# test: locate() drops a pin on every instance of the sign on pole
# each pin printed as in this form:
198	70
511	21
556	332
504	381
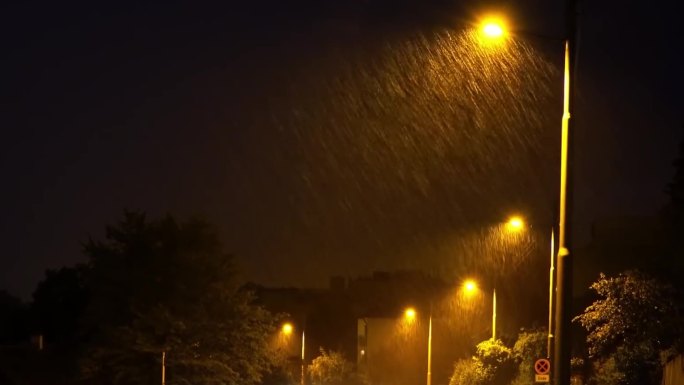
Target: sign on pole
542	367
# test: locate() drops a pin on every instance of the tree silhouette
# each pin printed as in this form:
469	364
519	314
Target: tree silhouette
164	286
633	321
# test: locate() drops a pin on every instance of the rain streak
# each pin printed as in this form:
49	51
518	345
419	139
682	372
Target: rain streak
403	153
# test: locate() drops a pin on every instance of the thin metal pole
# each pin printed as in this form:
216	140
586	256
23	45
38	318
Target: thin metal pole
561	371
163	368
303	362
494	314
429	355
552	290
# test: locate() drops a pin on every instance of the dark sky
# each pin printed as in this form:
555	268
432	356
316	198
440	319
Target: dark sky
307	132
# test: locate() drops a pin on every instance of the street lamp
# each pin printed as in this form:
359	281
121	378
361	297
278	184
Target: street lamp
470	288
410	314
286	330
515	224
493	27
410	317
561	362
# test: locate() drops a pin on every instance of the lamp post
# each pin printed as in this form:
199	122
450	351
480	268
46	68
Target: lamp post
163	368
514	224
470	287
429	355
287	329
561	336
561	365
303	374
410	316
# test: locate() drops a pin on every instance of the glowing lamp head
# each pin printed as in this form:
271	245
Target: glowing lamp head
410	313
492	28
287	328
515	223
470	286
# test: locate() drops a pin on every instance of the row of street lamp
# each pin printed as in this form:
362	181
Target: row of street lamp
287	329
469	288
560	285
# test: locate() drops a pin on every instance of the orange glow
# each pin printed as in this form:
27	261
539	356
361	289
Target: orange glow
410	313
515	223
493	27
470	286
287	328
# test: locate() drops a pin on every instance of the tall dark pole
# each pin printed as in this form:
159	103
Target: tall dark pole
562	351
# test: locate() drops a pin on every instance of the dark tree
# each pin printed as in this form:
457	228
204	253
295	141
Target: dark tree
630	325
675	188
58	305
13	318
672	266
162	286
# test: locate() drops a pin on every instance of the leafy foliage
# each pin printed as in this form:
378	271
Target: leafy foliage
331	368
493	364
606	372
162	286
467	372
632	322
530	346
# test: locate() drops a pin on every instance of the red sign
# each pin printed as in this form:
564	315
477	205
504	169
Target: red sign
542	366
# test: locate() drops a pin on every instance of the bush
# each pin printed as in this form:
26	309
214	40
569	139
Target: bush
493	364
331	368
529	347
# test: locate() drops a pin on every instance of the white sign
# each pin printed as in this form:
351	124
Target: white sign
541	378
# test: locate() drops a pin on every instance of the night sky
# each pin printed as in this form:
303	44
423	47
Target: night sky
322	137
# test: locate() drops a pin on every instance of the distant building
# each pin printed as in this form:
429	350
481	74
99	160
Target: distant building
390	352
329	316
393	351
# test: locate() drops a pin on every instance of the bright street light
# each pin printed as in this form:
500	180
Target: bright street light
470	287
493	28
286	332
561	337
410	317
515	223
